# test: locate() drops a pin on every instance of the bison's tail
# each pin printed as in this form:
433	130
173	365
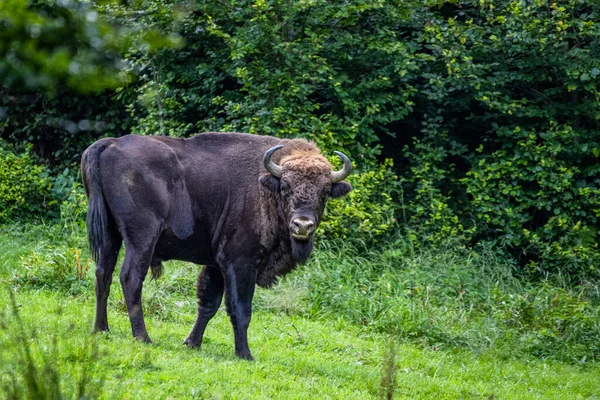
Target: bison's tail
157	270
97	219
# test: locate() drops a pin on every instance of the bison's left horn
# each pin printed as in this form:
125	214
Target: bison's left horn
337	176
273	168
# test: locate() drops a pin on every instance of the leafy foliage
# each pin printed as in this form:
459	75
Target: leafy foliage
57	61
368	211
24	186
512	89
279	68
45	44
488	109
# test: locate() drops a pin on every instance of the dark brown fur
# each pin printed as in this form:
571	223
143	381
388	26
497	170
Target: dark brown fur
206	200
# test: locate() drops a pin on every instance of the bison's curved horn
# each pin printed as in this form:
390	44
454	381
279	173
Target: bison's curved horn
273	168
337	176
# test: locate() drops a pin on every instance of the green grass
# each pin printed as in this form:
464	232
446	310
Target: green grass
322	333
296	358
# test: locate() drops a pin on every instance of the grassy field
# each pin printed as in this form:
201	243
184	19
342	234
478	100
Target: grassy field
303	347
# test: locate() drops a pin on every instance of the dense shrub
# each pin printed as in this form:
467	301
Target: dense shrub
24	185
535	193
57	58
509	143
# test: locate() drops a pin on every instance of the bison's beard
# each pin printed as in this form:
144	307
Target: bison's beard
301	249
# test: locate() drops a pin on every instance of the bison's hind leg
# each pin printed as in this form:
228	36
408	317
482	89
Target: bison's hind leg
210	294
107	259
139	249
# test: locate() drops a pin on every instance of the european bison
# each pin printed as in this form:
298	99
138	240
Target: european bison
245	206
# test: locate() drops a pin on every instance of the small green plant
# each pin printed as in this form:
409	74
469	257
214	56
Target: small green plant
54	267
68	193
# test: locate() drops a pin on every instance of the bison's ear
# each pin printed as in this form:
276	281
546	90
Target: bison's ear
340	189
270	182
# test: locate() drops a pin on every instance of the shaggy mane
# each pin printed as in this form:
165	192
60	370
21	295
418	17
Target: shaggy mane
302	149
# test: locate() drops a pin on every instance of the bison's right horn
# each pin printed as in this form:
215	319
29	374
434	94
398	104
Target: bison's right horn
342	174
273	168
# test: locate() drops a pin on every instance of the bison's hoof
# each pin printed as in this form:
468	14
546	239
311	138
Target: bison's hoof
191	343
143	338
245	355
103	329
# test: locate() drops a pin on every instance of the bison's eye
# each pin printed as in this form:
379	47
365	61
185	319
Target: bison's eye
285	186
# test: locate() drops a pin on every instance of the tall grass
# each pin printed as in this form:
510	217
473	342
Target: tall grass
389	378
444	296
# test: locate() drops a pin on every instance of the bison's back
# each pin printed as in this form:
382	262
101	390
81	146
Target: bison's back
143	185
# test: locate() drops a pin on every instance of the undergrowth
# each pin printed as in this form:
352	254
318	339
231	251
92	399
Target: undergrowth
446	296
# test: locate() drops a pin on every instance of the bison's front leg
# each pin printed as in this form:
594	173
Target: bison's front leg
210	293
240	279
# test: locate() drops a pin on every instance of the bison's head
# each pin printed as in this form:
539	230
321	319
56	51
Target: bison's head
303	183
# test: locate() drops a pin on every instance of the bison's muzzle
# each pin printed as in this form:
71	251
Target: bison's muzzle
302	228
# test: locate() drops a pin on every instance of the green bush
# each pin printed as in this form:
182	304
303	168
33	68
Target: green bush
369	211
536	196
508	144
282	69
433	197
24	185
29	192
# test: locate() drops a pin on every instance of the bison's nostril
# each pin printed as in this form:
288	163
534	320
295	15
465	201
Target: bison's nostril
304	225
